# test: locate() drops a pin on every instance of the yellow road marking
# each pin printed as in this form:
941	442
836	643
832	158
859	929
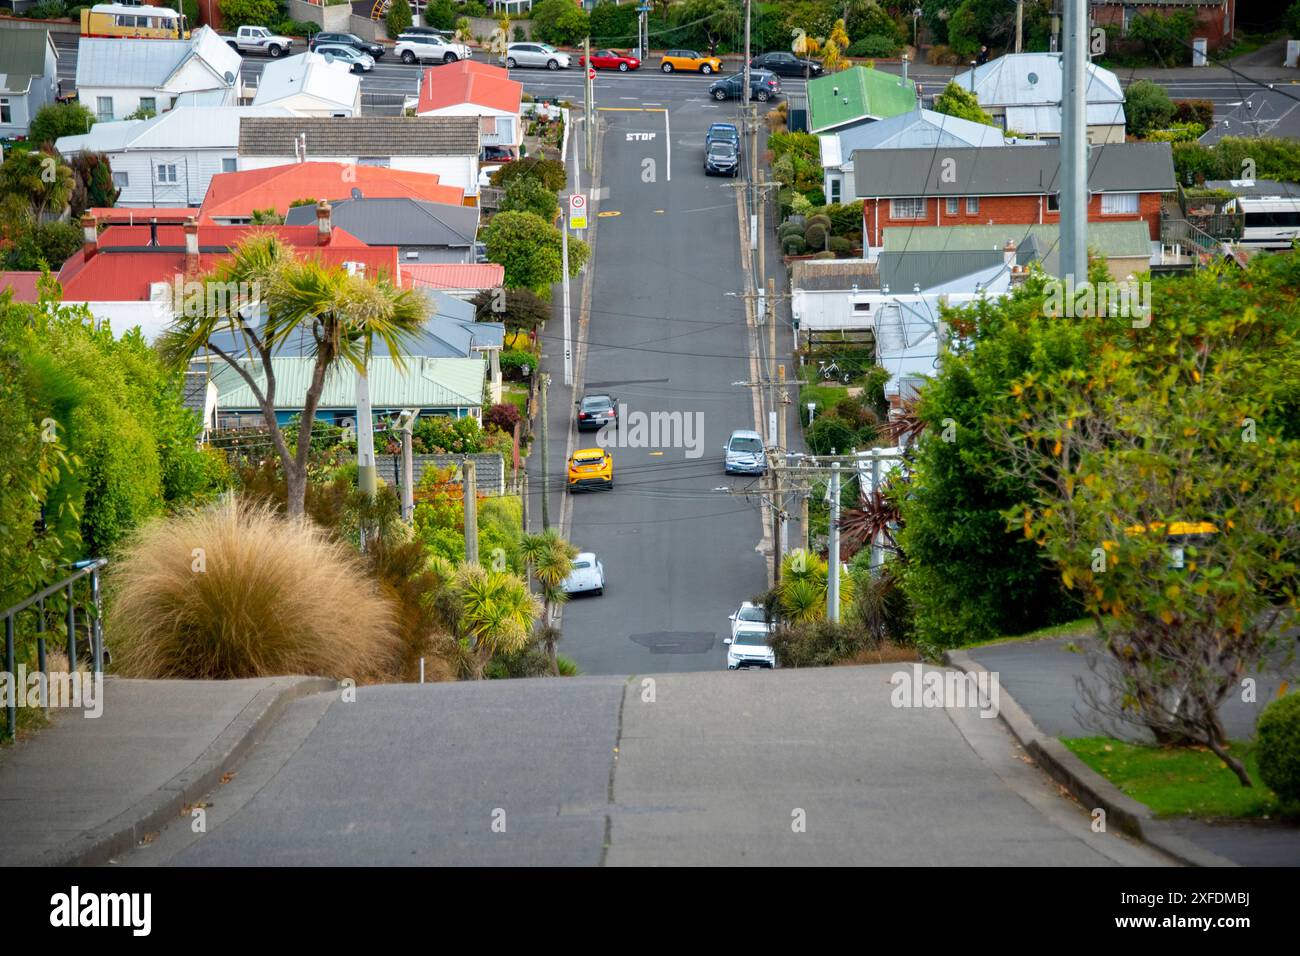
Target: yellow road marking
653	453
609	212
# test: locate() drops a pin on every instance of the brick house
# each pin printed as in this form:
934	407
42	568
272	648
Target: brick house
1216	20
1005	186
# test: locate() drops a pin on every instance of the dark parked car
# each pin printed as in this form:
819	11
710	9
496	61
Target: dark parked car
721	158
763	86
596	411
786	64
726	132
349	39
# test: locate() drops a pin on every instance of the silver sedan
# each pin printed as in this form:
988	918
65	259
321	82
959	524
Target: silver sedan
535	54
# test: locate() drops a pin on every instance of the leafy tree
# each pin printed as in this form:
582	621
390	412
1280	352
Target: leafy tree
721	18
94	182
869	18
962	103
527	194
343	313
559	22
441	15
529	248
522	310
967	577
549	559
399	17
1164	468
60	119
551	173
613	24
267	217
1167	38
493	611
40	178
1292	20
1147	107
43	245
239	13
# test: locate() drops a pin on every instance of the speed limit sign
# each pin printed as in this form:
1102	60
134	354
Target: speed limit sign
577	211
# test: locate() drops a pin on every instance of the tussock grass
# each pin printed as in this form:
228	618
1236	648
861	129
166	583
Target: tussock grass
236	590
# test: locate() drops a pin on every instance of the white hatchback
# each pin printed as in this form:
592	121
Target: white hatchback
586	575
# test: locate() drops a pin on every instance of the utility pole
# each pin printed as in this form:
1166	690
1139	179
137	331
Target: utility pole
469	490
749	114
408	464
771	335
774	489
568	328
588	107
803	521
760	197
1074	144
546	471
833	551
1020	25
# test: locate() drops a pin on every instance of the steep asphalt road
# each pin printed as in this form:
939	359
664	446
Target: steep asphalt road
766	768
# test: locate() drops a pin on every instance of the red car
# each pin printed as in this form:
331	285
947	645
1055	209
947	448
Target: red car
611	60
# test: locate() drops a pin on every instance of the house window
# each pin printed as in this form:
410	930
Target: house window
149	103
835	189
907	208
1119	204
383	161
950	205
861	306
121	180
166	172
1053	202
103	108
228	164
505	129
972	205
5	115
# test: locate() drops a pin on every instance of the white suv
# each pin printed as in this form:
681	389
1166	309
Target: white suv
422	47
749	648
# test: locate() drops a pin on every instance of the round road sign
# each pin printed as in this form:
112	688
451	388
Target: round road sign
591	72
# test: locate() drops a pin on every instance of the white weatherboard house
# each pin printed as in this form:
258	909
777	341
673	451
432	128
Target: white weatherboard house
118	76
29	77
1022	92
169	160
310	85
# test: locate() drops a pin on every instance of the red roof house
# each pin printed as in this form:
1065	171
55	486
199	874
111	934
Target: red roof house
466	88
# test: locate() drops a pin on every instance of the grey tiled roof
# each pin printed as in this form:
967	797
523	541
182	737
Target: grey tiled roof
195	393
361	135
490	475
397	221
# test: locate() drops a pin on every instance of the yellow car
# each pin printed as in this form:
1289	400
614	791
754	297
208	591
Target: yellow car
690	60
591	468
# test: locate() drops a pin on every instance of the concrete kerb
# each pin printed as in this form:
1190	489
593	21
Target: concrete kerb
1089	787
151	814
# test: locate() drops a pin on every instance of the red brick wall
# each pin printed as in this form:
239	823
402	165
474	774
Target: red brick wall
1209	20
999	210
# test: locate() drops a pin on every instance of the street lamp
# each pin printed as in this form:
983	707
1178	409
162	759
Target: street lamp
916	16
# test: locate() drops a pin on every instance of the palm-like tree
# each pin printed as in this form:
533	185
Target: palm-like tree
875	520
494	611
344	314
549	559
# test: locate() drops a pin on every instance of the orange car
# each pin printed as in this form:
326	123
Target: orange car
591	468
690	60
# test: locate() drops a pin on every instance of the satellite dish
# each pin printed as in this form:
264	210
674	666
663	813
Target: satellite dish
230	77
356	193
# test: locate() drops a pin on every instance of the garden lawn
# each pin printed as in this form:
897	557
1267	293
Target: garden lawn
1178	781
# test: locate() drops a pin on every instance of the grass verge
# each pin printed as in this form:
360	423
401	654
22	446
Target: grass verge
1083	627
1179	781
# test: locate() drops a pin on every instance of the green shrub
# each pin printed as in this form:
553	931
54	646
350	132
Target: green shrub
551	173
815	235
1278	746
513	362
820	219
441	15
874	45
843	248
1194	111
788	229
831	435
794	246
817	643
398	18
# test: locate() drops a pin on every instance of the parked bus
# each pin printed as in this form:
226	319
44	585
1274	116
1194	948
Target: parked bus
1270	211
133	21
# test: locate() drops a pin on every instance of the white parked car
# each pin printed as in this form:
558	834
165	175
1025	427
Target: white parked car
336	52
588	574
749	648
535	54
424	47
750	616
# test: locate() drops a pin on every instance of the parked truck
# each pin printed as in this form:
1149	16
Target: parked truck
259	40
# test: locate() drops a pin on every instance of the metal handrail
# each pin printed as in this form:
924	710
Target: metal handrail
91	569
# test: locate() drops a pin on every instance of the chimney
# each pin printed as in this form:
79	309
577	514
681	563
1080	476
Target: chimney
89	235
323	227
1009	254
191	245
153	231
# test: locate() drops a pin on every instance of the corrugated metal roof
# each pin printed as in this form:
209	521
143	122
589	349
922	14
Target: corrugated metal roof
362	136
22	57
1125	239
184	127
919	129
423	383
1008	170
857	93
1034	79
456	275
443	336
1046	120
309	73
489	471
124	62
825	274
904	271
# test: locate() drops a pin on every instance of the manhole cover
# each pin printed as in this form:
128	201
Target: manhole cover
674	642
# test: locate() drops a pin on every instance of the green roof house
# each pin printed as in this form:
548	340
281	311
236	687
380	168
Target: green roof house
29	77
858	95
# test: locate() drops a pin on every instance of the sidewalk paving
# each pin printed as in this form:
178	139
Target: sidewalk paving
82	789
1042	678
